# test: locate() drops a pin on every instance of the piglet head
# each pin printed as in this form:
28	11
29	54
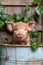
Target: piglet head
21	29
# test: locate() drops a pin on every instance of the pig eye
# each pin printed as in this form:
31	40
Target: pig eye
15	29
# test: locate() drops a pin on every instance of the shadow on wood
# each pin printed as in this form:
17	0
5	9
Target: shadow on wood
5	37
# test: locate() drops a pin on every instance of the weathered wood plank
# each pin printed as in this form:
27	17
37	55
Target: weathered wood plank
5	37
39	38
16	2
12	10
42	25
39	27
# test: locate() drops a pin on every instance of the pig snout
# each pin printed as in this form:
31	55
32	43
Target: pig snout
20	35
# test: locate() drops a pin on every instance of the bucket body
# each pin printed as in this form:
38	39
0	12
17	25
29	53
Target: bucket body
20	56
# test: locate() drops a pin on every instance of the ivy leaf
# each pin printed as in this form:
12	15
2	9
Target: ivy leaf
18	17
39	10
1	23
9	18
36	17
36	2
3	16
27	19
35	33
35	45
27	8
34	40
2	8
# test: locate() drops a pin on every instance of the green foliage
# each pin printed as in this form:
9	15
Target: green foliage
27	8
34	33
4	18
36	17
36	2
27	19
39	10
1	23
34	40
18	17
9	18
2	8
35	45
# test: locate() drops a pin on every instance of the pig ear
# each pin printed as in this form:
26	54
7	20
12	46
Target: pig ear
10	26
30	25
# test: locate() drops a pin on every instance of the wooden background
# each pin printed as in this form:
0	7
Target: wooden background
17	6
19	55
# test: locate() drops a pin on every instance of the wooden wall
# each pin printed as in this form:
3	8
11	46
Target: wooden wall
21	55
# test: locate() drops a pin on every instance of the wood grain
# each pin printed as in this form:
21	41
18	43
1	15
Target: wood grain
12	10
16	2
42	25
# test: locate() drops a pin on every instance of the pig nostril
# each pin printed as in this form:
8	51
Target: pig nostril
20	35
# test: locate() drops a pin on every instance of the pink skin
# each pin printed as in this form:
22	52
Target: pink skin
9	26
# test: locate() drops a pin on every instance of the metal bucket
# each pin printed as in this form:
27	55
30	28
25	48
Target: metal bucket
20	55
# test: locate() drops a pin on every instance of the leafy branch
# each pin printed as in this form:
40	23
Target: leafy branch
4	18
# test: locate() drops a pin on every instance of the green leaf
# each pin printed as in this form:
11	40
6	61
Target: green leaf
27	8
9	18
2	8
18	17
1	23
29	18
34	40
35	45
36	2
25	19
3	16
36	17
35	33
39	10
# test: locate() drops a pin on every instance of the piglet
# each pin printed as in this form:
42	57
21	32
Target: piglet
20	31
